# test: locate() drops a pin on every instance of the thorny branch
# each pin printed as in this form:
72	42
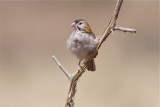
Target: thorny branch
81	69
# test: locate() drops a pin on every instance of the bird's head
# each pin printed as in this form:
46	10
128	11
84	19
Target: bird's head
81	25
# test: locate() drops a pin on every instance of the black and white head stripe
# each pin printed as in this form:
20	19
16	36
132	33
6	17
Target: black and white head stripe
78	20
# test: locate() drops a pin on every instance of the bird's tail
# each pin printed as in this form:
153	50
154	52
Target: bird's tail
91	65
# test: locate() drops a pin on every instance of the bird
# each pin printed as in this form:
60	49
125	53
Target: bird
82	42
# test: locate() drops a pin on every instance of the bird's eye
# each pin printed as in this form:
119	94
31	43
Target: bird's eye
80	23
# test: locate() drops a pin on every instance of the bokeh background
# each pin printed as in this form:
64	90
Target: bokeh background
127	64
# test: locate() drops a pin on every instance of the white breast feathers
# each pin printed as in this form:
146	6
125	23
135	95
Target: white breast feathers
81	44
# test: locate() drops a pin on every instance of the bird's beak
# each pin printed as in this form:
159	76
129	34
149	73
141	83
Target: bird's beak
73	24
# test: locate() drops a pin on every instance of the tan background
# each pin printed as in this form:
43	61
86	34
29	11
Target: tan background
127	64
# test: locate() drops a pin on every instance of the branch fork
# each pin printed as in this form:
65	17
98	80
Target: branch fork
69	76
73	78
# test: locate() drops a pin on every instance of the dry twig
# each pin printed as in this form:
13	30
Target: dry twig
81	69
62	68
125	29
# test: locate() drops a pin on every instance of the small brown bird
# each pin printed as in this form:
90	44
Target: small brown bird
82	42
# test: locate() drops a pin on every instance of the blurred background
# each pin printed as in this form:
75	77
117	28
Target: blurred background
127	64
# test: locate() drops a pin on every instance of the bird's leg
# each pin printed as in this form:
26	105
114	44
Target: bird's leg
79	66
79	62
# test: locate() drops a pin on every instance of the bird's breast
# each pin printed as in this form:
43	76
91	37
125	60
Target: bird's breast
81	44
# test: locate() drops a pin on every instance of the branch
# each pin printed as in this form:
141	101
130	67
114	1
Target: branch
81	68
125	29
111	24
62	68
